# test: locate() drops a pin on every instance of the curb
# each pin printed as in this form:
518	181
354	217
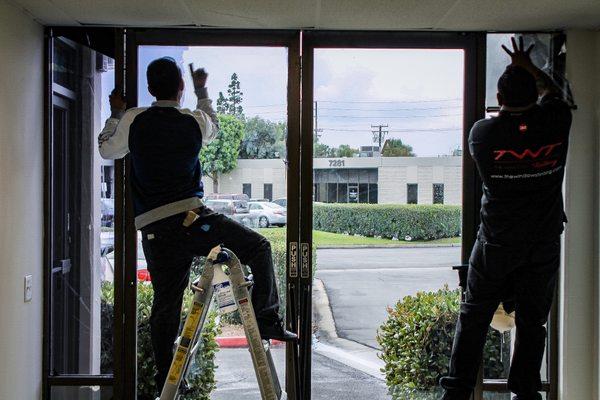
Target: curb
238	342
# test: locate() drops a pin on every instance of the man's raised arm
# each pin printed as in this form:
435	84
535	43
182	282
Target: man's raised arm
204	113
113	141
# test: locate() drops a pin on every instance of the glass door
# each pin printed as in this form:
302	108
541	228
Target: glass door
250	170
389	205
79	356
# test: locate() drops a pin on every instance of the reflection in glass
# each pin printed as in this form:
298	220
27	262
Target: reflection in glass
82	241
82	392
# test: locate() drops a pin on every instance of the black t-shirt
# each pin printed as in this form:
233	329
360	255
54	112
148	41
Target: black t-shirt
521	159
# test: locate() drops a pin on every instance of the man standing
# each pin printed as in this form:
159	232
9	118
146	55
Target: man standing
520	156
164	142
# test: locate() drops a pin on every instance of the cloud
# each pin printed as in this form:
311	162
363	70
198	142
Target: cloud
406	89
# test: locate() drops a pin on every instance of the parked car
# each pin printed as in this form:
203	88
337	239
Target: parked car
228	207
260	200
268	213
227	196
281	201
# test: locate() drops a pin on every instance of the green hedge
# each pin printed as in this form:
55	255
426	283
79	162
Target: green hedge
419	222
416	341
202	373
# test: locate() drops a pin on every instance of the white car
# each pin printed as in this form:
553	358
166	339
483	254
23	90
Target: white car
268	213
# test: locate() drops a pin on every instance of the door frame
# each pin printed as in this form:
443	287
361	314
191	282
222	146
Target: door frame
474	46
123	44
289	39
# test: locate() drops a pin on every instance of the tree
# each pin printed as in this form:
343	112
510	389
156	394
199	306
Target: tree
345	151
222	104
395	148
232	104
263	139
221	155
321	150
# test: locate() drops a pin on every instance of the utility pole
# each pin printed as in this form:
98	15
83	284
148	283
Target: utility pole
379	134
317	130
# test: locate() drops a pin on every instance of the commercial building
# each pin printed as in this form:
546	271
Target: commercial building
383	180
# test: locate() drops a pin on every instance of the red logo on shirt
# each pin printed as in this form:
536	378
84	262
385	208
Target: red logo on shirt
543	151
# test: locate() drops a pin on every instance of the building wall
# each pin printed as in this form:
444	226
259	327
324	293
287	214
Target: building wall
21	204
257	173
394	173
579	342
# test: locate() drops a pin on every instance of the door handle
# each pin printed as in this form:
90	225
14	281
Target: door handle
62	266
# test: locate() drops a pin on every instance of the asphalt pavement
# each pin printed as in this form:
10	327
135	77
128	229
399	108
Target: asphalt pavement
331	380
361	283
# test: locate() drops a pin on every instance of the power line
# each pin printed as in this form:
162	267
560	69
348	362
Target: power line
379	134
395	130
317	131
390	109
393	116
392	101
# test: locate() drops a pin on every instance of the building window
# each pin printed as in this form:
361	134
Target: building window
412	193
268	191
438	193
373	193
247	189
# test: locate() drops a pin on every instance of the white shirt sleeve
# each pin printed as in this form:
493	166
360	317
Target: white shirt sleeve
206	117
113	141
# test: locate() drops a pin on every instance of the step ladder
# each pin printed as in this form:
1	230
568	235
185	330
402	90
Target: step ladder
189	341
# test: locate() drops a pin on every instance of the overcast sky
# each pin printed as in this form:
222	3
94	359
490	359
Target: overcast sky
418	93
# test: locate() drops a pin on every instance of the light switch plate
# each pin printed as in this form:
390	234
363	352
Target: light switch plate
28	290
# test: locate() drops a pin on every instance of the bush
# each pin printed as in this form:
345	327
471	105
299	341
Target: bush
416	341
420	222
277	238
202	373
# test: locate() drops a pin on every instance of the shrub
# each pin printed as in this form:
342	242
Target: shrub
277	238
416	341
202	373
420	222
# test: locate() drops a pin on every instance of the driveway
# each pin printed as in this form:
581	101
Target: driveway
361	283
331	380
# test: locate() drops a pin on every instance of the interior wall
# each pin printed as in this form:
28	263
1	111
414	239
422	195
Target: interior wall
579	305
21	194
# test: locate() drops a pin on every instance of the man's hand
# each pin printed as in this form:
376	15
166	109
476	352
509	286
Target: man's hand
521	57
118	105
199	77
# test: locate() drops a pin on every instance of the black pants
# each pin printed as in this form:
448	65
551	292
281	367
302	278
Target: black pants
525	273
170	248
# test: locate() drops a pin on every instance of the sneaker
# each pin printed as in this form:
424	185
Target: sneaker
275	330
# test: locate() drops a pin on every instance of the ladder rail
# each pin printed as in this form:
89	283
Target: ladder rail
191	333
189	341
267	381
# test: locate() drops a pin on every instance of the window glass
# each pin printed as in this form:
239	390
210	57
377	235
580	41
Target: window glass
438	193
81	276
412	193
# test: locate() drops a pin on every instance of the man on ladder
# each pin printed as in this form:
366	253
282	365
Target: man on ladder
521	156
164	141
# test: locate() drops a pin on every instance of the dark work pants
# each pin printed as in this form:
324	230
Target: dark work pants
526	273
170	247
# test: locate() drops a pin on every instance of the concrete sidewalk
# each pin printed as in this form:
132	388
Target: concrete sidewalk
331	380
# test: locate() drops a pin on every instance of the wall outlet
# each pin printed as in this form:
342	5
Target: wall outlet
28	289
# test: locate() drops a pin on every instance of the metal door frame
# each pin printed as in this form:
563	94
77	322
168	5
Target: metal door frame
217	37
474	46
